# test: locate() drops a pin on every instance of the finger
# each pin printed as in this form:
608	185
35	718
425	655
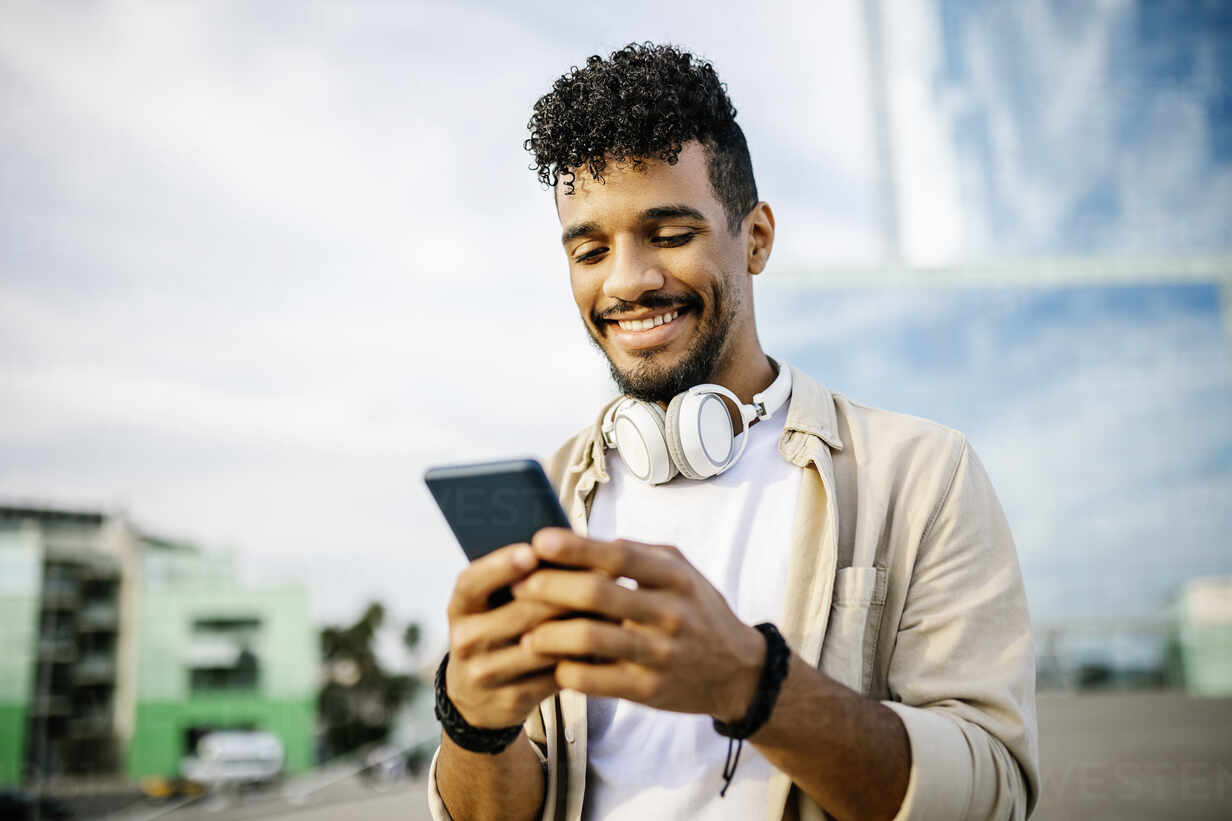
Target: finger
620	679
506	705
487	574
648	565
480	632
506	665
590	592
590	638
528	692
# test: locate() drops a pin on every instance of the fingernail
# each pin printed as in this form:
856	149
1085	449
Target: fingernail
523	558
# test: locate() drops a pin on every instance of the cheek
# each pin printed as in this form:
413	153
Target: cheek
583	292
703	267
587	296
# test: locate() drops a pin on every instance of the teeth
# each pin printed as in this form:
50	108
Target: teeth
643	324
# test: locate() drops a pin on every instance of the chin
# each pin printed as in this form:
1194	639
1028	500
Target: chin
658	376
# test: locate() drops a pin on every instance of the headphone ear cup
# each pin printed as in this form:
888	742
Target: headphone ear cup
642	441
661	420
672	431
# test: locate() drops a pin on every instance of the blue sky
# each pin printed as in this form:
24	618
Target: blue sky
260	265
1101	413
1090	127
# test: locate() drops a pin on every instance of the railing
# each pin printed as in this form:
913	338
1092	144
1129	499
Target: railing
308	784
1092	653
49	705
59	594
97	617
94	724
57	648
93	669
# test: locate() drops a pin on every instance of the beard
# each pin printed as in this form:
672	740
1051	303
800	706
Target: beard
652	381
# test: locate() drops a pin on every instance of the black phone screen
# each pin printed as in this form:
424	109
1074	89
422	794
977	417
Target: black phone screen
492	504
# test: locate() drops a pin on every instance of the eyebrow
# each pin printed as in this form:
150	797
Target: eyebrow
658	212
672	212
579	230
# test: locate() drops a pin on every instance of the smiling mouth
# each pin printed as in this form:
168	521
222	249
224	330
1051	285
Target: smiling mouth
646	323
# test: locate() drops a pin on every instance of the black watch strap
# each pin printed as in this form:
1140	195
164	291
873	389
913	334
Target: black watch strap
476	739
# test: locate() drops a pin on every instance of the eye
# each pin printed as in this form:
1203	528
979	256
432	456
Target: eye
673	240
592	255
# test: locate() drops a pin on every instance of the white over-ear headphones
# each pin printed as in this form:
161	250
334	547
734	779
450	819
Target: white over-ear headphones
694	437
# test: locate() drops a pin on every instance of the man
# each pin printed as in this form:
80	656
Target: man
873	540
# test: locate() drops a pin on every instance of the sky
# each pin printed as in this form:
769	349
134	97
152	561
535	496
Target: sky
1101	414
261	264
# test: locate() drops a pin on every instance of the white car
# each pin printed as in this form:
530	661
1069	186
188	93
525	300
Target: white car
234	757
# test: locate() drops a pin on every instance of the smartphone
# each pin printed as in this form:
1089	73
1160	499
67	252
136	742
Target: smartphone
492	504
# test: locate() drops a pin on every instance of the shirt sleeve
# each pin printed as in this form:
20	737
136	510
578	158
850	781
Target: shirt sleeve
962	674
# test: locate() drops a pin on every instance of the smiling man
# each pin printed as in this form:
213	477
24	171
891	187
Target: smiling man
794	605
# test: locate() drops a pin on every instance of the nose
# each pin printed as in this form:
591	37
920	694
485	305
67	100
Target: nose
631	274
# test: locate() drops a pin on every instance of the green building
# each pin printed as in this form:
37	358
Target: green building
121	649
1205	635
21	579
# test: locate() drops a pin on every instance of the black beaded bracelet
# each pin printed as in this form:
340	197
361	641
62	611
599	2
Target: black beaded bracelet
476	739
773	672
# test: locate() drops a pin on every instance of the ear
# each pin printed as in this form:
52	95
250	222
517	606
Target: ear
759	225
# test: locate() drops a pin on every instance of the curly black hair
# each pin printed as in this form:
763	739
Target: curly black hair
644	102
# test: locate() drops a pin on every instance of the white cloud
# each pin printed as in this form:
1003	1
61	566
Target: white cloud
1071	139
1101	422
842	314
925	165
265	264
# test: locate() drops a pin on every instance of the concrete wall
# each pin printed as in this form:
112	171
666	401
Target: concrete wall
122	541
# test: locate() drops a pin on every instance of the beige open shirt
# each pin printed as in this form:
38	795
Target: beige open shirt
904	586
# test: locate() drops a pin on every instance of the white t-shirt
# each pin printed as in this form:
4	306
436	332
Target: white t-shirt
735	529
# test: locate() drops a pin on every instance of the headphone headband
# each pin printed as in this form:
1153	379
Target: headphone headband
774	397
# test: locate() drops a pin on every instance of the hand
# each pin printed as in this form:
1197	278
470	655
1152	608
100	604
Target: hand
673	643
492	679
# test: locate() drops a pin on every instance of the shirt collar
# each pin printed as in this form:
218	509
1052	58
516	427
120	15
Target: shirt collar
811	411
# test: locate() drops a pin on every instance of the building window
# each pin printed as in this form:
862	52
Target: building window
221	655
244	675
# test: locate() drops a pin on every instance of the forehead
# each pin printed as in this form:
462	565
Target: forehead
627	191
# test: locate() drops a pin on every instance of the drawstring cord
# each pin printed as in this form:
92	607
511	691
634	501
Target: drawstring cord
729	765
773	672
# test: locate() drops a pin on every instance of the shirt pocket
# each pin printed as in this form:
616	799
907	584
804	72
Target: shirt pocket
850	646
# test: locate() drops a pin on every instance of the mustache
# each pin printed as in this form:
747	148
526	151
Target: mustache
648	302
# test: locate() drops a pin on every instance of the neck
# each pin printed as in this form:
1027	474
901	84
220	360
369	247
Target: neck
745	370
746	374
